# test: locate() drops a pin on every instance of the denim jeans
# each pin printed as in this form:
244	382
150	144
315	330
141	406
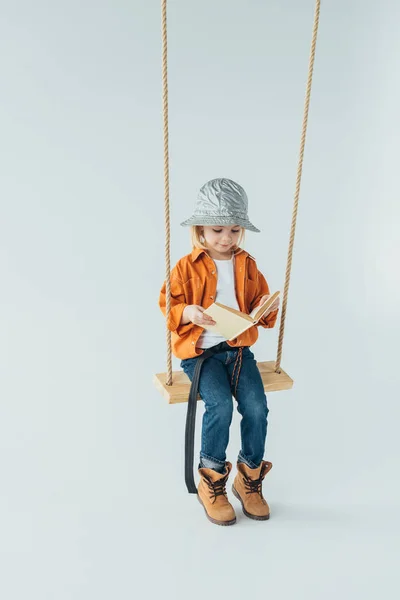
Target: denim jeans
216	390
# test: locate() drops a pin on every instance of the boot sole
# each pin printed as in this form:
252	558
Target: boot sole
215	521
254	517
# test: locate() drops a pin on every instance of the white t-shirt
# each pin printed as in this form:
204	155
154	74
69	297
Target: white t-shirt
225	294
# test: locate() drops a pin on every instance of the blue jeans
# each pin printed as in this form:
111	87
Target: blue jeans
216	390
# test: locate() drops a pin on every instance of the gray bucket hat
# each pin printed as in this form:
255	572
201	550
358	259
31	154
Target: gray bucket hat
221	202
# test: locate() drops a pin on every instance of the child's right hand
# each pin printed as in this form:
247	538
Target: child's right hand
195	314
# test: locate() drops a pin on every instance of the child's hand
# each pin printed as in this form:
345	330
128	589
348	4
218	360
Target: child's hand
195	314
273	306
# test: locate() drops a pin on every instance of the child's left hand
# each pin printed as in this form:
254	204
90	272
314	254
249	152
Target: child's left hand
273	306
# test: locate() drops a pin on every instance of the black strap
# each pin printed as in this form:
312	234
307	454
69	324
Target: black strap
191	414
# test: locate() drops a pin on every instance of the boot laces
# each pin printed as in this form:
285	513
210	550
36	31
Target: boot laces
253	486
217	488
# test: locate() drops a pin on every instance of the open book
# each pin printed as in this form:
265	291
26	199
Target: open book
230	322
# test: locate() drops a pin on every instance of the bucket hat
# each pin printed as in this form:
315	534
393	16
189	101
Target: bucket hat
221	202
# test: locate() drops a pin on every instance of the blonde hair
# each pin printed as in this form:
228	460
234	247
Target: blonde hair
196	237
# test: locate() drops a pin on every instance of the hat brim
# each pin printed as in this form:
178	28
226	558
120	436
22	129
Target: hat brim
220	221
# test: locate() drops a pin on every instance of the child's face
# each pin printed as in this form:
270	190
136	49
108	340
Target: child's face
221	239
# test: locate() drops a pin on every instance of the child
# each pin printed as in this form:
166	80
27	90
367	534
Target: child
219	269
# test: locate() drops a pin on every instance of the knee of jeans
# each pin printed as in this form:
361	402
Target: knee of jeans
222	408
256	406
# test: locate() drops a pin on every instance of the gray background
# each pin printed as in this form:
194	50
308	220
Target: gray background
93	502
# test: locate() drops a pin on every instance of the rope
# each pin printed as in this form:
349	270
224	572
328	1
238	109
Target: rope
166	183
298	182
296	195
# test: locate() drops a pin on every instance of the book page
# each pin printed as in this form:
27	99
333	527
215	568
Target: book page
258	311
229	322
234	311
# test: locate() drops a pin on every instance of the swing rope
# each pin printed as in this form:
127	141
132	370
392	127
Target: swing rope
166	184
298	183
296	195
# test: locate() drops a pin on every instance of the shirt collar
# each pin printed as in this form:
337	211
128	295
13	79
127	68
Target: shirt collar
196	252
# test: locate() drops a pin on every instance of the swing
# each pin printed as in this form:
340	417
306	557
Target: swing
175	386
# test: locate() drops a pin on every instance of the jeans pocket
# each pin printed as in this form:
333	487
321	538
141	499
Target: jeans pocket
187	364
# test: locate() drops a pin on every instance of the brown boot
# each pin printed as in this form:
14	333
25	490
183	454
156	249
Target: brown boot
212	495
247	488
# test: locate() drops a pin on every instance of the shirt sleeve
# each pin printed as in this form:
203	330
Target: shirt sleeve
178	305
269	321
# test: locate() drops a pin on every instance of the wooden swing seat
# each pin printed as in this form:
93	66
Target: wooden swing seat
178	392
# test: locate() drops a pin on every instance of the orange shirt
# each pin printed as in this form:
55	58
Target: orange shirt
194	281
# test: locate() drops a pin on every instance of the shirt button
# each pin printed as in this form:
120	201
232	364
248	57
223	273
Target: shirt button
212	272
193	343
212	297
